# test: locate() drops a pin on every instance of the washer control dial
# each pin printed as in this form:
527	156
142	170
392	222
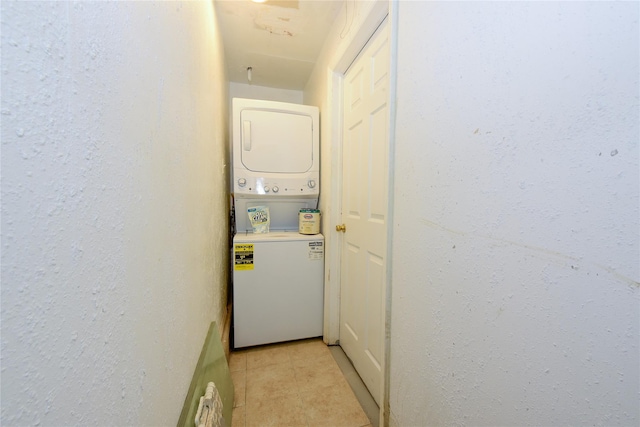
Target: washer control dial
311	183
275	189
242	182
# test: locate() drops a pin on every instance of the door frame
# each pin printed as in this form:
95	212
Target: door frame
337	68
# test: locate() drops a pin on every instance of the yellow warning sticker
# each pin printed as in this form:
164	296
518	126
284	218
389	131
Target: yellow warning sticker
243	256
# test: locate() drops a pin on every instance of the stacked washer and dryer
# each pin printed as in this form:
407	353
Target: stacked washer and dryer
278	277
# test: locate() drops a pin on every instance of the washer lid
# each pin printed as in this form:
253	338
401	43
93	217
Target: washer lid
279	236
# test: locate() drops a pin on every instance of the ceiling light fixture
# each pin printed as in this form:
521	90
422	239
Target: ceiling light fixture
259	1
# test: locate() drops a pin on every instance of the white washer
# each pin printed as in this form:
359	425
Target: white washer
278	290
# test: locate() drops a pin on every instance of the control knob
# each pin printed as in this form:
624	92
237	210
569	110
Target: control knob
275	189
311	183
242	182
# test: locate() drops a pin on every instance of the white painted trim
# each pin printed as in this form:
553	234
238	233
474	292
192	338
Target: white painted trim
385	410
332	277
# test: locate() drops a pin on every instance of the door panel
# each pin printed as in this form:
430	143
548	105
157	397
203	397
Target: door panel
352	184
364	210
378	165
353	313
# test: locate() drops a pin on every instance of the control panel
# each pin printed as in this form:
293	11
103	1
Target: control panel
276	186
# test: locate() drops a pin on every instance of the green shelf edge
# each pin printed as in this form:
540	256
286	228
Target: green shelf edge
212	366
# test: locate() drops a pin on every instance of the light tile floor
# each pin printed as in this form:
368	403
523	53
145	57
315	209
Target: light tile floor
292	384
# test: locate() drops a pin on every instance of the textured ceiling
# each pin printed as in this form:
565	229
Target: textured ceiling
279	39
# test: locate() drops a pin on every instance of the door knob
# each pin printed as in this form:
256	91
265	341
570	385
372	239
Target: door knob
342	228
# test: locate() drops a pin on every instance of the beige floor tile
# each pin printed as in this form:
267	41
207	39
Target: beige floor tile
238	361
238	417
322	357
318	373
239	379
267	356
308	349
334	406
276	411
292	384
273	381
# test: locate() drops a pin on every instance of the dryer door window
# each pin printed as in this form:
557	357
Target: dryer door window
276	142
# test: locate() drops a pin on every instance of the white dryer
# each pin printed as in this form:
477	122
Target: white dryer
276	160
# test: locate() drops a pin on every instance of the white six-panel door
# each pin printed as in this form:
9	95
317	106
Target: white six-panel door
364	210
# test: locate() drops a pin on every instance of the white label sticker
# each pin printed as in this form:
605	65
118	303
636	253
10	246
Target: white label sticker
316	250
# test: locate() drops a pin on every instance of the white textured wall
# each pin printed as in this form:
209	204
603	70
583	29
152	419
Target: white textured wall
516	239
114	209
